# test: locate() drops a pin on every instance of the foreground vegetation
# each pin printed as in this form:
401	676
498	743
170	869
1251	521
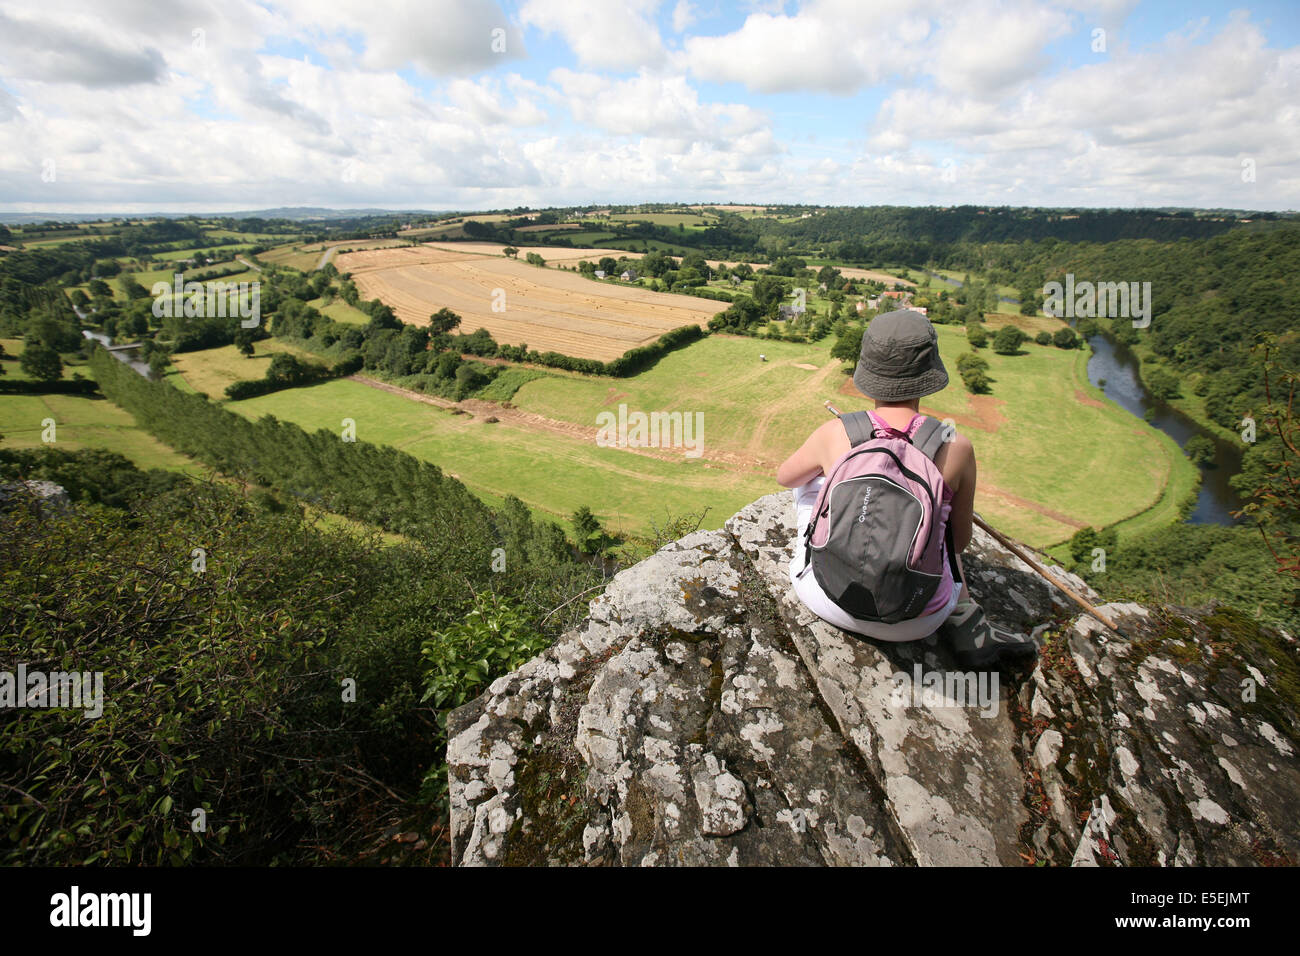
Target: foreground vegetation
292	684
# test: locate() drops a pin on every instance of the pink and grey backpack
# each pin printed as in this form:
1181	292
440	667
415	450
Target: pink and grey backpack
875	538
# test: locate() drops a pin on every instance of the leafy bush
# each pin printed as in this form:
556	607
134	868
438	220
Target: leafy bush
493	638
1065	339
1200	450
1007	340
974	373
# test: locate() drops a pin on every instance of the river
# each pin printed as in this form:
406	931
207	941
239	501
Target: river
1117	366
121	355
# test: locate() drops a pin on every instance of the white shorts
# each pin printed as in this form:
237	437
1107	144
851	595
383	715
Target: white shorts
812	595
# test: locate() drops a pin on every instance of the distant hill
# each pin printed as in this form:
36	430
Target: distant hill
294	213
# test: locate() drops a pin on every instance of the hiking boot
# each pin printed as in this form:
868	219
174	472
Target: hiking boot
979	644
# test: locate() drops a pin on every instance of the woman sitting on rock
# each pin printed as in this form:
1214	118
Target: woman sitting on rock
898	366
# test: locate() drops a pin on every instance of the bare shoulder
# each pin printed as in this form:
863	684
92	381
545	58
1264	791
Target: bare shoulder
831	428
956	455
960	447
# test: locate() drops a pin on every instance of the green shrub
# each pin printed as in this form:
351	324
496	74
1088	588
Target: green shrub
1007	340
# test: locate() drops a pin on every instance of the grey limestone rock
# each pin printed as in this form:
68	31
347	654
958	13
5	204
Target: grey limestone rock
701	715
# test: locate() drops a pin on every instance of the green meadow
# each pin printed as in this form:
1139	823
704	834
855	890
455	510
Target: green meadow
340	311
80	422
211	370
691	221
1053	455
553	474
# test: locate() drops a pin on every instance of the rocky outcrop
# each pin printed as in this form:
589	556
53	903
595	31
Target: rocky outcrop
41	497
700	715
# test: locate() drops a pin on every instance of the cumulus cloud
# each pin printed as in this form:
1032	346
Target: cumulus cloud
962	60
841	46
244	103
1168	124
50	51
683	15
653	105
602	35
441	37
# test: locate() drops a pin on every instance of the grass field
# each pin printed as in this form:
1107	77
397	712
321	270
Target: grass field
586	237
188	253
252	237
340	311
1008	290
690	221
1037	438
1031	325
211	370
86	423
555	475
1053	456
61	240
80	422
292	256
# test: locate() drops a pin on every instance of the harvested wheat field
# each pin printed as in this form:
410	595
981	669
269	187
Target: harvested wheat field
549	309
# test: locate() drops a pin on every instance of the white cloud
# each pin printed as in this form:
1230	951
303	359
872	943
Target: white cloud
840	46
683	16
654	105
833	46
77	52
1165	125
963	59
486	104
601	34
144	118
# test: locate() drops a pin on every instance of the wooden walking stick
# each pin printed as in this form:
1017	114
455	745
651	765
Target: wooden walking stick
1020	553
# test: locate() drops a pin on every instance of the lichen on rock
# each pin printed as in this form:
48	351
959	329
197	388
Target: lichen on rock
701	715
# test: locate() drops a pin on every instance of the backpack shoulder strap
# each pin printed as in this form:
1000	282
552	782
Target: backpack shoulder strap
858	426
929	437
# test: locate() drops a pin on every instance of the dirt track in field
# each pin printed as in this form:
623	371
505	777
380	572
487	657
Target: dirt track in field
479	411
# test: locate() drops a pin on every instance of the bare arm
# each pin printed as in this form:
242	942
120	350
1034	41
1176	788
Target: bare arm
961	517
806	463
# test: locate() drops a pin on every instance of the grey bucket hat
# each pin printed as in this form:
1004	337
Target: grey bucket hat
900	358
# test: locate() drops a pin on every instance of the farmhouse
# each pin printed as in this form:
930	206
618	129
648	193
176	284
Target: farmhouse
628	275
600	273
895	300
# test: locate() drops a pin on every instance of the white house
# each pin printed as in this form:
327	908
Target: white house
600	273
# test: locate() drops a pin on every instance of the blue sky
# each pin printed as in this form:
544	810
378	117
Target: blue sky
474	104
